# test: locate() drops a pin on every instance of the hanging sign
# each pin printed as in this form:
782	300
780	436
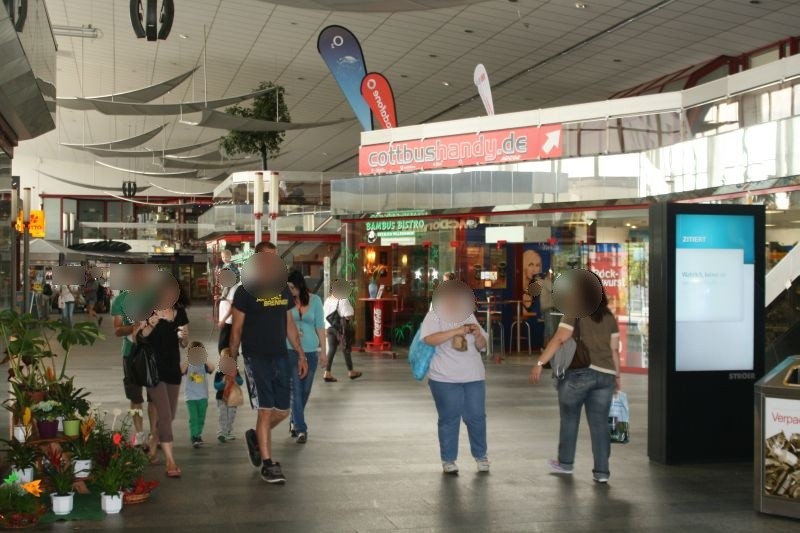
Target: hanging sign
457	151
481	80
36	226
341	51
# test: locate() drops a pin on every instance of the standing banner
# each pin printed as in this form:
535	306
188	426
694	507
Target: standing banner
342	53
378	94
481	79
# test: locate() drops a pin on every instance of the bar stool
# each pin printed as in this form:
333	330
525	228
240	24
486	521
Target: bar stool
518	324
497	326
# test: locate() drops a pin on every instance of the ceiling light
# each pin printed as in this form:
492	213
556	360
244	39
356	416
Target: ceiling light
580	5
755	2
301	78
774	211
432	55
628	224
446	83
633	227
403	75
469	31
183	36
769	225
617	61
86	32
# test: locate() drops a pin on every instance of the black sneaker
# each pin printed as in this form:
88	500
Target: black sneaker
302	438
271	473
195	442
252	447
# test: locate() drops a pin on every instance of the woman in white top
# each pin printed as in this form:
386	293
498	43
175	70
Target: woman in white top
343	335
226	317
457	378
66	297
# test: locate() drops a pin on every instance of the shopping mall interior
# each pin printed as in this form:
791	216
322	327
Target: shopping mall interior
400	149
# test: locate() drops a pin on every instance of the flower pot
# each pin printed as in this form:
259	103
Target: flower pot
373	289
20	433
20	520
62	505
82	468
48	429
36	396
131	498
25	474
72	428
111	503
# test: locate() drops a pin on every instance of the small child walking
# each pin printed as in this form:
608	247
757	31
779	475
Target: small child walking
224	379
196	369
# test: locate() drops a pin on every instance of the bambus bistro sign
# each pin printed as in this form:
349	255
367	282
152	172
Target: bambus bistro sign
455	151
381	226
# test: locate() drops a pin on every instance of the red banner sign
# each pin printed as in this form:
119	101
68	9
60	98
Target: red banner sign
378	94
455	151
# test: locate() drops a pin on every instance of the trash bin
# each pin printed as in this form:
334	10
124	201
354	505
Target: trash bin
777	446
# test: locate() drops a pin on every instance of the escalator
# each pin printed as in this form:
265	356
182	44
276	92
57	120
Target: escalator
782	319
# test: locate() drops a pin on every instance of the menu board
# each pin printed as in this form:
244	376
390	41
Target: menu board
714	288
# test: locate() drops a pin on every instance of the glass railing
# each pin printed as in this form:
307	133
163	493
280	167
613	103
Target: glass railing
239	218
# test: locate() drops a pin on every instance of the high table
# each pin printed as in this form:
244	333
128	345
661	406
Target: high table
378	343
490	304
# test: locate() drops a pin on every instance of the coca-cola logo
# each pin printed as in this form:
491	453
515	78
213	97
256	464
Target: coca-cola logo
377	322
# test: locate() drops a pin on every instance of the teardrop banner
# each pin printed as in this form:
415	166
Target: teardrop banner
481	79
341	51
377	92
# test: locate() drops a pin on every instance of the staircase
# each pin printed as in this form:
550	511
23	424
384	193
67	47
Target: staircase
782	303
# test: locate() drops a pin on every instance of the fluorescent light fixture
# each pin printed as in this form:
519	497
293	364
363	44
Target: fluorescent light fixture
85	32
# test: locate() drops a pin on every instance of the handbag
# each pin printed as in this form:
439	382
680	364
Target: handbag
619	419
582	358
335	320
235	396
420	355
143	364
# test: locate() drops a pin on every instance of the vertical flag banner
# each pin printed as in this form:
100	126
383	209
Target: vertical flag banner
341	51
481	79
378	94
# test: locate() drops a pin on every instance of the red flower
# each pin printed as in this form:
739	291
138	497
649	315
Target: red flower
117	438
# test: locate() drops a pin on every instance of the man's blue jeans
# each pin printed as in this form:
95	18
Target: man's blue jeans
454	402
301	389
595	390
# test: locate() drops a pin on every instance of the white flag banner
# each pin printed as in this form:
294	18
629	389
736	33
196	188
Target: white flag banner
481	79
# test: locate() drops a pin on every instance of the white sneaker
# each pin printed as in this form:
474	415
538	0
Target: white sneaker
483	464
557	468
450	468
139	439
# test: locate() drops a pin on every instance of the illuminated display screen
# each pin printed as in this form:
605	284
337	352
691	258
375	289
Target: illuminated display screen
714	287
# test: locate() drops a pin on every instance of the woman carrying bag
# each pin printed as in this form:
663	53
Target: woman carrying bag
590	381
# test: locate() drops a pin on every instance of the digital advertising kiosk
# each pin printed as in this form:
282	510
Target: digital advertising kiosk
706	330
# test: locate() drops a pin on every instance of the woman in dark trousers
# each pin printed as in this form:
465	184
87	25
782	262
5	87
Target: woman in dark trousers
591	387
166	331
342	335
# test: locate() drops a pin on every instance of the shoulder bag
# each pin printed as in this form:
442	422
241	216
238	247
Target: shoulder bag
420	355
143	363
571	354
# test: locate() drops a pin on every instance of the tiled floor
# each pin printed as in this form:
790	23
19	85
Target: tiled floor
371	464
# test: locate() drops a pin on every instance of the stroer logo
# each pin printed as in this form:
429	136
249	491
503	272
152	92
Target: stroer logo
501	146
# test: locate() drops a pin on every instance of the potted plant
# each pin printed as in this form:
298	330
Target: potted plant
74	405
22	459
375	273
20	506
82	448
19	405
30	349
46	413
111	477
60	473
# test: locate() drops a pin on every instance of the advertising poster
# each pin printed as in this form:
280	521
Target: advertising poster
714	288
481	80
610	263
536	260
782	448
341	51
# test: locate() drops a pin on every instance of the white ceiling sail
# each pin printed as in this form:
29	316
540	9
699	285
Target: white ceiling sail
215	177
176	174
101	152
121	108
213	156
137	96
140	202
104	188
130	142
179	193
224	121
208	165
